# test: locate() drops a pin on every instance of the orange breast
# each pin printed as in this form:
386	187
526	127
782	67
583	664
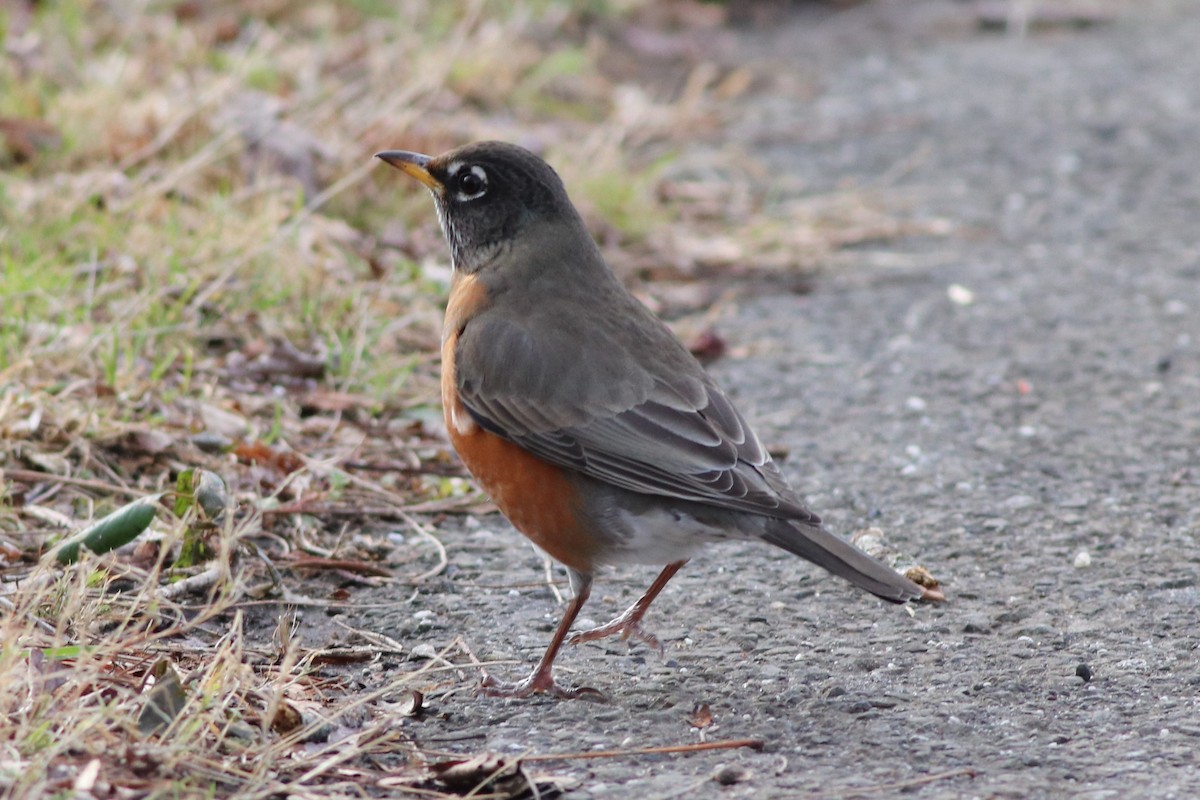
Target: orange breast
535	496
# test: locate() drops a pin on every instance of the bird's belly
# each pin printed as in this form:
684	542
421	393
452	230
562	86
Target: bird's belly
536	496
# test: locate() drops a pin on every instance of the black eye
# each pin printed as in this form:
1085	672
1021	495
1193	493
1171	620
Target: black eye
472	182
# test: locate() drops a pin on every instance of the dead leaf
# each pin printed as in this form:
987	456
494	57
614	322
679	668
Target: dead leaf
701	716
259	452
287	718
414	706
210	492
165	697
707	346
922	577
222	422
872	542
486	773
138	441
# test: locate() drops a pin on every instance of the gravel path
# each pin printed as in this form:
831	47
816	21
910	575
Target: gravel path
1038	448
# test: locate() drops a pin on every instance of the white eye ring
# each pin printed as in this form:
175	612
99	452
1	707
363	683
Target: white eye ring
472	185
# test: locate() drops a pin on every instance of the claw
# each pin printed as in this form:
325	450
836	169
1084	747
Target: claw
623	625
538	682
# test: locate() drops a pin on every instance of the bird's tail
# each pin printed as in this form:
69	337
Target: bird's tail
843	559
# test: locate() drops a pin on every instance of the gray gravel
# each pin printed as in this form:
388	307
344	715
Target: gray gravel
1038	448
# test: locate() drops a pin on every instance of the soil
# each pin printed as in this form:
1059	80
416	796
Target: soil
1015	402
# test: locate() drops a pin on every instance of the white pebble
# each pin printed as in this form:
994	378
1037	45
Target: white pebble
960	295
1176	308
424	650
1082	559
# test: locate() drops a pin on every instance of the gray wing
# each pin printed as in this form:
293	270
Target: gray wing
653	423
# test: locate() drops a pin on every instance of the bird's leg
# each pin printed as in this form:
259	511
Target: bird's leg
630	623
542	677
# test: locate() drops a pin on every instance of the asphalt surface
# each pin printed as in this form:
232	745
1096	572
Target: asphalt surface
1015	402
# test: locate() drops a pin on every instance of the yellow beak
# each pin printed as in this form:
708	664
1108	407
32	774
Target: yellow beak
414	164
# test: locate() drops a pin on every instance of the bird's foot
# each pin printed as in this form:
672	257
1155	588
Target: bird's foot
628	625
539	682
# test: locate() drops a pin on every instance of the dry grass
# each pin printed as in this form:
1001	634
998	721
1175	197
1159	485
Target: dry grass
201	267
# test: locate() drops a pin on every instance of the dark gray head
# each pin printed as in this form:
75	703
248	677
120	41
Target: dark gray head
487	193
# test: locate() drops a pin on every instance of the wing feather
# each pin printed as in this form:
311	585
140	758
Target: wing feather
652	424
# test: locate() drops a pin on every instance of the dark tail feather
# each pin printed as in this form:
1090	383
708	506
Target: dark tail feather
843	559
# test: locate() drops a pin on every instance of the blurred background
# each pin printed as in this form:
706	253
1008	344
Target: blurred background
196	242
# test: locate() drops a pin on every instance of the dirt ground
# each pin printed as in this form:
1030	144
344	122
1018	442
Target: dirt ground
1017	403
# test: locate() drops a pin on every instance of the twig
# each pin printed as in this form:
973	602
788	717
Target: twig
42	625
437	544
345	564
379	642
195	583
86	483
461	504
423	468
732	744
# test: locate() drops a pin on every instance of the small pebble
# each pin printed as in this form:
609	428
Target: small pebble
960	295
729	774
1082	559
211	442
424	651
1176	308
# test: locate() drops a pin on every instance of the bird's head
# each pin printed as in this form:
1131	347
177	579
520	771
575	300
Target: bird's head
487	195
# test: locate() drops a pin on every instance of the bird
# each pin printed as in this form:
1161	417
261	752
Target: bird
591	426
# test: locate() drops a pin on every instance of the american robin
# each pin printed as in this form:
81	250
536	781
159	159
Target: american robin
591	426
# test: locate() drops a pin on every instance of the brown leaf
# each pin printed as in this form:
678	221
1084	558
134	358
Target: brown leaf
287	718
259	452
707	346
414	706
873	542
486	773
701	716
